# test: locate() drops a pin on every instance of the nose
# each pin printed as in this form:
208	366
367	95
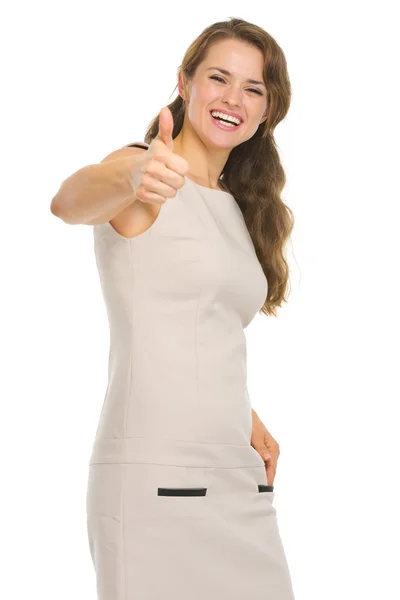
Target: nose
233	96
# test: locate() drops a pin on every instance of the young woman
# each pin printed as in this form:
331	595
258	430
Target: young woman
189	232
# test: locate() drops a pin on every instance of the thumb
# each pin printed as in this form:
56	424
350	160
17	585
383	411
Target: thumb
166	127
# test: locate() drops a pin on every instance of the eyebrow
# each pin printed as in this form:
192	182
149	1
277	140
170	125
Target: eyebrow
225	72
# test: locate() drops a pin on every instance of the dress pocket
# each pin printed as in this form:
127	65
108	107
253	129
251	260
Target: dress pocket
268	494
265	488
181	491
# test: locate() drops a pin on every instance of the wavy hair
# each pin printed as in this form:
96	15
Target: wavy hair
253	173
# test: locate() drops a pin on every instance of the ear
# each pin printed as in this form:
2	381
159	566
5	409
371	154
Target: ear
264	117
181	85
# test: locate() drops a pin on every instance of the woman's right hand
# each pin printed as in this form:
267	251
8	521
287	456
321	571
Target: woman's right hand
158	173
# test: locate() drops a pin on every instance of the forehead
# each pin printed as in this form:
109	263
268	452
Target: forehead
239	57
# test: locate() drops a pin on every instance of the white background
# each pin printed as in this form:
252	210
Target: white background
82	79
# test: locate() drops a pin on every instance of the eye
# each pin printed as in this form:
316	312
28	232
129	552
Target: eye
216	77
220	79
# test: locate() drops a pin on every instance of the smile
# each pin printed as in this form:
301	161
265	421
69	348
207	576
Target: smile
228	124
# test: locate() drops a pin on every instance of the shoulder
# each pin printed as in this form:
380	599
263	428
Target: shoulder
128	150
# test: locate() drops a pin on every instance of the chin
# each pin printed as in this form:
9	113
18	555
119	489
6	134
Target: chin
218	142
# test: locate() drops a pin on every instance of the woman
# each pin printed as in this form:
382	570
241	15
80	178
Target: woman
189	232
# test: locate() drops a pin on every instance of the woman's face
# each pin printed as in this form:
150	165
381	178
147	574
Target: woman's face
230	90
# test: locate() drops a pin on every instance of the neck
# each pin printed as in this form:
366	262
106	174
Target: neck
205	163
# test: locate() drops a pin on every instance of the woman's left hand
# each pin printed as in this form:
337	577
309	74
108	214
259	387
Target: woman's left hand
266	445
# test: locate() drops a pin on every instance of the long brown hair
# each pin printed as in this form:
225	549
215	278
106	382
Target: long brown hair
253	173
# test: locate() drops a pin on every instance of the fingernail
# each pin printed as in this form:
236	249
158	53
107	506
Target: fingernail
266	456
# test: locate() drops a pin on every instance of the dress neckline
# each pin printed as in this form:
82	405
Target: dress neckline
212	190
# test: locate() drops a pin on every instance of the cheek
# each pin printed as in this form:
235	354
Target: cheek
204	96
251	128
255	118
200	101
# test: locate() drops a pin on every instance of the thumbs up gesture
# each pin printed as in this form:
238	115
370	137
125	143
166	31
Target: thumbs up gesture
165	128
158	173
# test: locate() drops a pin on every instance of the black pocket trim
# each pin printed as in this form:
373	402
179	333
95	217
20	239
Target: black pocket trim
181	491
265	488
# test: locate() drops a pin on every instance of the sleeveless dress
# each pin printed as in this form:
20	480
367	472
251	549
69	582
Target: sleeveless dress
178	504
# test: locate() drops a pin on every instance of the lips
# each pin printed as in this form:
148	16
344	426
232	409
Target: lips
227	112
224	126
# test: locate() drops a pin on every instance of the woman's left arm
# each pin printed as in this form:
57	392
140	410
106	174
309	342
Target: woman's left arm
266	446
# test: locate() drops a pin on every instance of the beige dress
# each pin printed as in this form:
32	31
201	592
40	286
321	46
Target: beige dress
178	503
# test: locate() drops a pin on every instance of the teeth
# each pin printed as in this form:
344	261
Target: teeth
215	113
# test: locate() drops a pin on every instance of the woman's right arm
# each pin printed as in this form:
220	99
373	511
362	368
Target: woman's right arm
96	193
